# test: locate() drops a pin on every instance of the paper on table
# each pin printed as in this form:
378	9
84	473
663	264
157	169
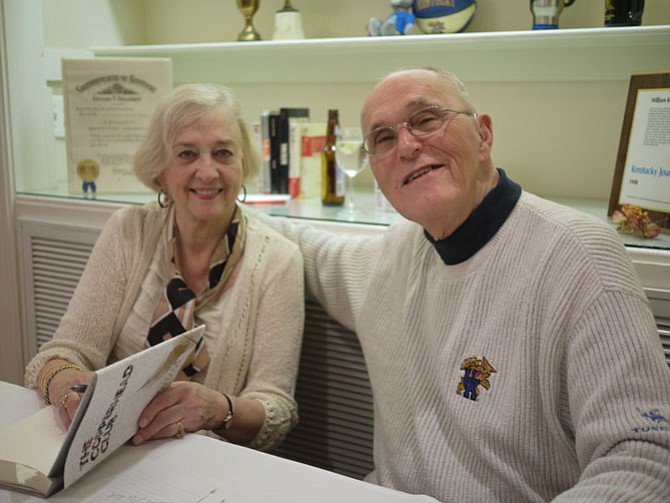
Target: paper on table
24	402
135	485
267	198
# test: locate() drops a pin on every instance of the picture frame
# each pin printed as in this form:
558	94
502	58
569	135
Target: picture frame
108	105
642	171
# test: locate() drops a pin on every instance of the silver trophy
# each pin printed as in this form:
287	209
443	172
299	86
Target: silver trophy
547	12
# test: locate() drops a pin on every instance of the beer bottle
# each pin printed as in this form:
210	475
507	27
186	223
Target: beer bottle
332	178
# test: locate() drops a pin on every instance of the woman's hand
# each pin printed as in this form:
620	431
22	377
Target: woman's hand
186	407
192	404
60	393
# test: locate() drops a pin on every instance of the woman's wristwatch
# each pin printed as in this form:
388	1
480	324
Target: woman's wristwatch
228	420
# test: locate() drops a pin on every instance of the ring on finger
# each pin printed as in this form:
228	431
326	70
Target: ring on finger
180	429
64	399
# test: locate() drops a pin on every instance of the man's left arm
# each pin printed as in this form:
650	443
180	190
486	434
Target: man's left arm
619	395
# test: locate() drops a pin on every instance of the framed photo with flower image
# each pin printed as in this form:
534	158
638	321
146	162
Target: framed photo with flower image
640	196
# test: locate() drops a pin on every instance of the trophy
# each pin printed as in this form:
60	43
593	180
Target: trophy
288	23
248	8
547	12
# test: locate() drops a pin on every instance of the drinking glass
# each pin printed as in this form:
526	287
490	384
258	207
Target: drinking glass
350	157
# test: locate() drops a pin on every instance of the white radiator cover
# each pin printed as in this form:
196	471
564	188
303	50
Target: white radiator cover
334	399
52	258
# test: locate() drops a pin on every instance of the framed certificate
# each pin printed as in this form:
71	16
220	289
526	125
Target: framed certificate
642	174
108	105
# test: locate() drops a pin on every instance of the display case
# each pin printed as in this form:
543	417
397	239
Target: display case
543	59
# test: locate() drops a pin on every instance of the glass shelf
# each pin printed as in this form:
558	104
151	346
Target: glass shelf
64	195
598	208
366	212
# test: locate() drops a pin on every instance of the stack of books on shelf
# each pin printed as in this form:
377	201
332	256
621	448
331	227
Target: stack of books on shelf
290	146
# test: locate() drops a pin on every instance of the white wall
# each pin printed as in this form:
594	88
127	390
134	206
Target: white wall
11	355
534	123
78	24
178	21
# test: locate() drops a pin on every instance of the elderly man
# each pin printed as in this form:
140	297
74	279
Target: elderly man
512	353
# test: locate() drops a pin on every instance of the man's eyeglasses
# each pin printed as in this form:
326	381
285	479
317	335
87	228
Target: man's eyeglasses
419	123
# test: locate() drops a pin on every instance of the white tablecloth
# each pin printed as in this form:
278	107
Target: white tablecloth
198	469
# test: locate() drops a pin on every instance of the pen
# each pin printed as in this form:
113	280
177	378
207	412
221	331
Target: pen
79	388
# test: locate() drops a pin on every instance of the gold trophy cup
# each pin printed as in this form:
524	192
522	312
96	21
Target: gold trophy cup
248	8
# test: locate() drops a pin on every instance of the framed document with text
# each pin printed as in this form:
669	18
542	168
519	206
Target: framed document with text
108	105
642	174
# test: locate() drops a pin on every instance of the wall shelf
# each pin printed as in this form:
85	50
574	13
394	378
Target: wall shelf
651	257
510	56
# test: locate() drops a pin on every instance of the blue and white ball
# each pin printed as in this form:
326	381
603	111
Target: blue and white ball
443	16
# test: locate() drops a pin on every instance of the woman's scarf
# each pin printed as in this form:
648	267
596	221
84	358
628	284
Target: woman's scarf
175	313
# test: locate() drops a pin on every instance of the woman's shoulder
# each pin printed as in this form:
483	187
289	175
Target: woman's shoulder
270	250
137	220
257	230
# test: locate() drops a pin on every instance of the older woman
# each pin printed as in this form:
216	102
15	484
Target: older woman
194	257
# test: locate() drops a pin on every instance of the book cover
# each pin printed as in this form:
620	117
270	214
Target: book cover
37	456
283	131
108	103
273	121
264	178
295	155
312	140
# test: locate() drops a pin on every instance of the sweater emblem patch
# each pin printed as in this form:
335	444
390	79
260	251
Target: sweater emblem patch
658	422
476	372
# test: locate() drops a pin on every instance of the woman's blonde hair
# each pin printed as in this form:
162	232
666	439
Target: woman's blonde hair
179	109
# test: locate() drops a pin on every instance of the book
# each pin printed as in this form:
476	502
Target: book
264	178
36	454
285	114
294	155
273	122
108	104
312	140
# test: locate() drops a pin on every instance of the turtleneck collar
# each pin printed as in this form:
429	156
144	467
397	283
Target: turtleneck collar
481	225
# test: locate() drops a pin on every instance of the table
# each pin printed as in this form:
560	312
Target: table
198	469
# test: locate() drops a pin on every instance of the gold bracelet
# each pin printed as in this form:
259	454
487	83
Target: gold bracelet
46	374
57	370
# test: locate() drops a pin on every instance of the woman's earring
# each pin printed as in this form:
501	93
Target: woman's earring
244	197
163	199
